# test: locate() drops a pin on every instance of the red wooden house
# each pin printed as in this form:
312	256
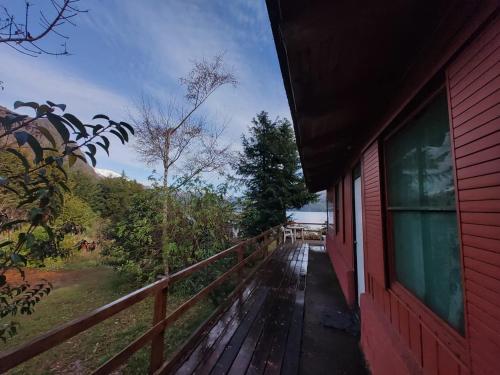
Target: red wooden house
396	109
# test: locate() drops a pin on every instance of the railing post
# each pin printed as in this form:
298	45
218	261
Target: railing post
158	342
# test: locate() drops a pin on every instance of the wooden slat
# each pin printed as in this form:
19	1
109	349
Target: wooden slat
482	255
465	61
490	115
224	328
471	97
486	63
478	133
157	344
415	337
485	293
485	104
486	205
487	76
13	357
484	218
429	352
491	309
476	144
271	328
177	313
485	193
484	231
481	243
483	316
447	364
404	327
213	324
485	281
291	360
480	155
120	358
277	352
244	356
479	182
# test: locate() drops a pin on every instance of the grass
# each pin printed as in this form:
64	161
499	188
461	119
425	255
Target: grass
83	286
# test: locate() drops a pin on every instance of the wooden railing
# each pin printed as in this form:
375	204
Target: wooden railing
156	333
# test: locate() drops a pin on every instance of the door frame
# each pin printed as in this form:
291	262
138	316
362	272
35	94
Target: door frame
356	173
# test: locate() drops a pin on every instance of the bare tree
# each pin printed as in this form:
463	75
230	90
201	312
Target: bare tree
172	136
22	33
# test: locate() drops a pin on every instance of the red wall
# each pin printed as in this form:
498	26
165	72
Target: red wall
474	96
399	334
340	244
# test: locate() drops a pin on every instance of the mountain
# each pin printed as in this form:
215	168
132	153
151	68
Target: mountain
32	128
319	206
107	173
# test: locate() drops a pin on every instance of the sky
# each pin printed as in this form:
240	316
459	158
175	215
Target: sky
122	49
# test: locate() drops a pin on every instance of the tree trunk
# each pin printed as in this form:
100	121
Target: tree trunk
166	204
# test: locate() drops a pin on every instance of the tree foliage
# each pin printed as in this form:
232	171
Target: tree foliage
172	136
197	226
270	168
37	183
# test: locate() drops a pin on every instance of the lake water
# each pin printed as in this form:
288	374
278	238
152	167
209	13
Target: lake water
307	217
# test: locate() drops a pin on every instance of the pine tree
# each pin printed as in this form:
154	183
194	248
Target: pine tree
269	164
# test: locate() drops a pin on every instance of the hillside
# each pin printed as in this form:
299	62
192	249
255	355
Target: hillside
79	166
319	206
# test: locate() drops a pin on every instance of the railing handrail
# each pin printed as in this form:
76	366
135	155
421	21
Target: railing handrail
303	223
15	356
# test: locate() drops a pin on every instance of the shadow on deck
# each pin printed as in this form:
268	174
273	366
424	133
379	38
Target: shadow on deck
274	327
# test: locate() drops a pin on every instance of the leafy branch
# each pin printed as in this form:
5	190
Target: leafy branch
37	184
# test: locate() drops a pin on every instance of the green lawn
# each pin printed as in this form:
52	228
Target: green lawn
83	286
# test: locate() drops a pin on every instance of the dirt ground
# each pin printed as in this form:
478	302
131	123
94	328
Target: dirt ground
57	278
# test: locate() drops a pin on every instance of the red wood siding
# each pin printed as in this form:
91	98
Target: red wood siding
340	244
433	348
372	215
474	95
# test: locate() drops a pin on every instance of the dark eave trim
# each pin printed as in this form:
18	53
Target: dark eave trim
274	11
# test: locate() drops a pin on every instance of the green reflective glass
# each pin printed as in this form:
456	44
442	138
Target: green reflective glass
419	160
427	261
421	199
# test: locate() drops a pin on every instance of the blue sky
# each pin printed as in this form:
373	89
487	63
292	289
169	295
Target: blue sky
122	49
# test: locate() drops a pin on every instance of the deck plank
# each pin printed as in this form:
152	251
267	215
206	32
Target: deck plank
280	343
222	328
230	351
242	358
274	318
261	331
291	360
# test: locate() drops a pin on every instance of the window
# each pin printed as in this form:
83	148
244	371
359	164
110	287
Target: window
337	206
421	207
330	209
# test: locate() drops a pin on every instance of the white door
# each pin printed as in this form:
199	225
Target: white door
358	225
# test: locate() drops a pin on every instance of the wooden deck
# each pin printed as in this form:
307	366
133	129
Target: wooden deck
261	332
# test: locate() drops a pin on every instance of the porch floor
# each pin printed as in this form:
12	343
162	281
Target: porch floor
262	331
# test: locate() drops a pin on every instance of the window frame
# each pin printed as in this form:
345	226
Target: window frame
330	207
337	199
432	319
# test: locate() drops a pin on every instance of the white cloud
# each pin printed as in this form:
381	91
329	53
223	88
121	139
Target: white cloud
32	79
163	39
152	43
